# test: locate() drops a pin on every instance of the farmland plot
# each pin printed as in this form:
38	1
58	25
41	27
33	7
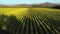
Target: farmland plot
31	20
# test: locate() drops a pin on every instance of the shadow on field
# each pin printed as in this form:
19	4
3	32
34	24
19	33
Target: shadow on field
55	22
6	22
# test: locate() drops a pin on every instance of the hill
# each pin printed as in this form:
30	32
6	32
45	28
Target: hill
48	5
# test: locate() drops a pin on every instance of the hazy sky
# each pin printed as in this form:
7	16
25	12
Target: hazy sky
11	2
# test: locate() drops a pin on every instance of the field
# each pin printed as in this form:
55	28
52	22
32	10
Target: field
30	20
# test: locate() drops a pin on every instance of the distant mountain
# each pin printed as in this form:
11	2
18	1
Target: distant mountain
22	5
1	6
47	4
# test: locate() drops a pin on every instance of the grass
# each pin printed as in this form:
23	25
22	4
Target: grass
30	20
13	11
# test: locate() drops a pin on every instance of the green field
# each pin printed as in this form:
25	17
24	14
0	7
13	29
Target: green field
30	20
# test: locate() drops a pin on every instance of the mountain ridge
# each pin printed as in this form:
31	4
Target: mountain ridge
46	4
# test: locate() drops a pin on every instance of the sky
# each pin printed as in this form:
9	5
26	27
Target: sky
13	2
